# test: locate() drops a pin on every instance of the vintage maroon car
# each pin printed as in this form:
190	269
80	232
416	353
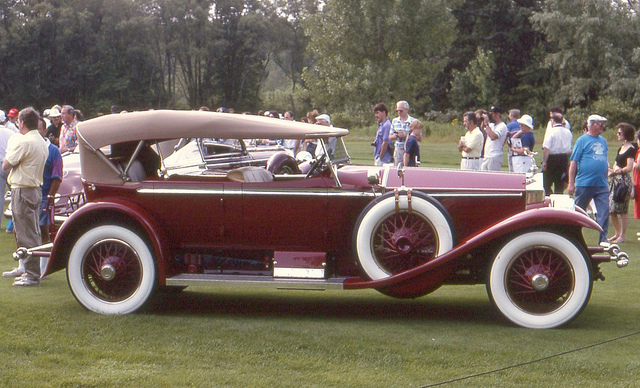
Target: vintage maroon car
148	225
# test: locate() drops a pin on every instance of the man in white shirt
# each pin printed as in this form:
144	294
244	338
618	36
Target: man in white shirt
556	148
496	136
400	130
470	144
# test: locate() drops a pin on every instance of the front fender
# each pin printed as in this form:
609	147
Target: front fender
92	214
528	219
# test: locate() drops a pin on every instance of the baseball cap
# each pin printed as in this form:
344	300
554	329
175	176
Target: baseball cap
595	118
13	112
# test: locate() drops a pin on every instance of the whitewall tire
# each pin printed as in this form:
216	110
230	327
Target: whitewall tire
540	280
390	240
111	270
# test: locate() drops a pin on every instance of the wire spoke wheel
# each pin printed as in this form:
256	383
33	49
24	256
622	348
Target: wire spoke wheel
111	270
403	241
540	280
394	235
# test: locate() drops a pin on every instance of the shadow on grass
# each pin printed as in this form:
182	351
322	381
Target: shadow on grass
367	307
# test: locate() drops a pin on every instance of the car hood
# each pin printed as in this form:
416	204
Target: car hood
432	179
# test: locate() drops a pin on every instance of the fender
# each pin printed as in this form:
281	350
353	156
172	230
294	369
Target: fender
527	219
114	206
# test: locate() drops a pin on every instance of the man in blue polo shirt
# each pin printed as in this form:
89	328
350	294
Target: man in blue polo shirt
588	172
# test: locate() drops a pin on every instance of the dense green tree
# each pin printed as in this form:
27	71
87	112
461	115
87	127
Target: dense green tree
290	40
503	28
594	49
371	51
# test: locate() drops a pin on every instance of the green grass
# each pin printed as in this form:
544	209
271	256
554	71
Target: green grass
211	336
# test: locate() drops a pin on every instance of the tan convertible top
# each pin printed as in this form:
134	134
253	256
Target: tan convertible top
167	124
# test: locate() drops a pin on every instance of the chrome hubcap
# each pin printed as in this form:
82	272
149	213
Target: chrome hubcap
540	282
108	272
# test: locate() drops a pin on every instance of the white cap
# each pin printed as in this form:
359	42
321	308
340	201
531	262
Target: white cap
594	118
3	116
324	117
526	120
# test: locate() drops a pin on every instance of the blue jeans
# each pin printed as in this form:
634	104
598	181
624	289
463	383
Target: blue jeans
600	196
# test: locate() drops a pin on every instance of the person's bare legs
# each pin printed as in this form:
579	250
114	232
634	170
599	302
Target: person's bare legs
616	226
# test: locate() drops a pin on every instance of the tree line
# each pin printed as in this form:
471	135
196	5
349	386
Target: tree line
339	56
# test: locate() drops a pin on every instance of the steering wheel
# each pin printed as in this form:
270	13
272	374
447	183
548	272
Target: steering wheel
316	165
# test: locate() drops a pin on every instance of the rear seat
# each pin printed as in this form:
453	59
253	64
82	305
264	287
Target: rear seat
250	174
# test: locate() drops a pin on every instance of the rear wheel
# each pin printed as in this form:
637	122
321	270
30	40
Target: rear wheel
391	239
111	270
540	280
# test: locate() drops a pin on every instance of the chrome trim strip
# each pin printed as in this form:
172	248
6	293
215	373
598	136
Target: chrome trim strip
309	193
255	282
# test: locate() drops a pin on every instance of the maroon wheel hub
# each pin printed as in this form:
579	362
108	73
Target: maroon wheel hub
539	280
111	269
403	241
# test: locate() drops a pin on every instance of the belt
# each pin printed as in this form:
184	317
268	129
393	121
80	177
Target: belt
464	157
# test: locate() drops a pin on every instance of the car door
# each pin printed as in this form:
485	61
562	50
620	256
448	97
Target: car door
285	215
191	211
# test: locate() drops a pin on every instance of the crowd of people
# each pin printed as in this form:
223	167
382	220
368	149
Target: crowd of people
31	148
582	169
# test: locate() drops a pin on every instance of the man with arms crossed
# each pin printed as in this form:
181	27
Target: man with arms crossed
470	144
25	157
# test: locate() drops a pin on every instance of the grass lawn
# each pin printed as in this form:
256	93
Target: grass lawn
221	337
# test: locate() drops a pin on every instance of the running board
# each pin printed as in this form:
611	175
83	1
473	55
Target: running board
186	279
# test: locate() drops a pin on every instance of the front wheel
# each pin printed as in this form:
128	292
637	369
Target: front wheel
111	270
540	280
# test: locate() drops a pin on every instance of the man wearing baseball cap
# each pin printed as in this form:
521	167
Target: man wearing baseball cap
588	172
13	117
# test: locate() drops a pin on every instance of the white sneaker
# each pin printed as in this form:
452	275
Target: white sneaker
14	273
26	281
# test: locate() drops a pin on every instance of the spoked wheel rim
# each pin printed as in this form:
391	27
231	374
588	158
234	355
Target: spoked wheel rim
540	280
111	270
404	240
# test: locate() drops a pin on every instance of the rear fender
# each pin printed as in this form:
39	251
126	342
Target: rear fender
114	210
528	219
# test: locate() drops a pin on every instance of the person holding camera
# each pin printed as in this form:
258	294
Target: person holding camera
400	130
383	150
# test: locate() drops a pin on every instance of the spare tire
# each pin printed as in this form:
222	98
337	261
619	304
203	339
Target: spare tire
389	240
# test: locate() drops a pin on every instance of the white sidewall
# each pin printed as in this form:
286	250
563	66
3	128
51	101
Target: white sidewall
579	296
382	210
85	296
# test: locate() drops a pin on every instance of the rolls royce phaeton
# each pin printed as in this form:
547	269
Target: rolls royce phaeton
326	224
